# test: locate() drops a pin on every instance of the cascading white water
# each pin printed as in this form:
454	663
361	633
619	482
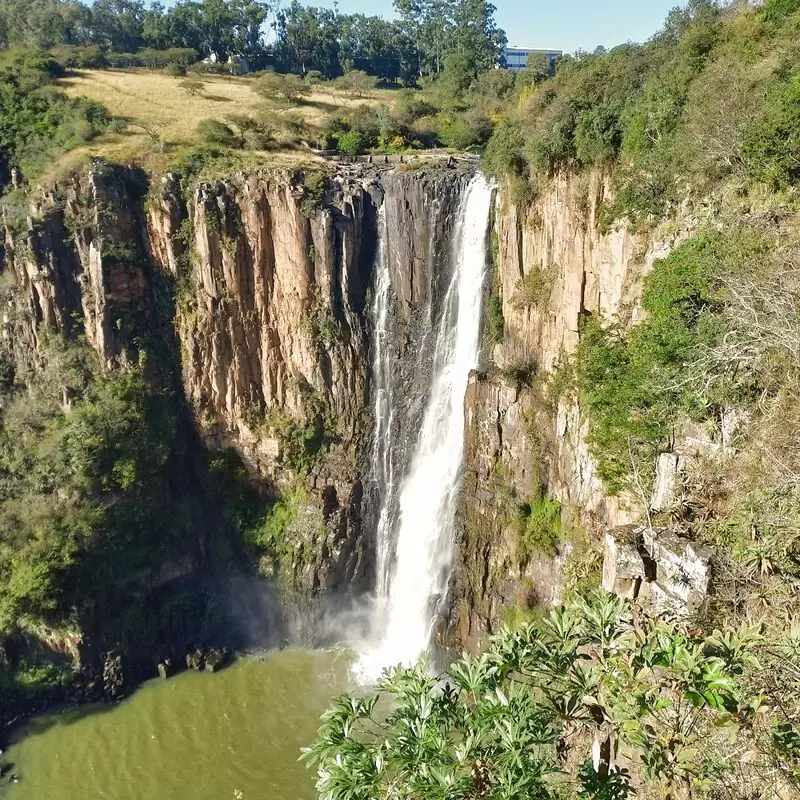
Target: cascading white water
382	461
420	520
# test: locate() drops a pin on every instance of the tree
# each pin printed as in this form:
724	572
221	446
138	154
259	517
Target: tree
589	684
356	83
117	24
290	88
476	35
193	87
308	38
430	23
43	24
442	27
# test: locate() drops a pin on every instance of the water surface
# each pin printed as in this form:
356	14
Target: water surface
235	735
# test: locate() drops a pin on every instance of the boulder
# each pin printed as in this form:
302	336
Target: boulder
214	659
207	660
683	571
195	660
656	565
623	566
113	678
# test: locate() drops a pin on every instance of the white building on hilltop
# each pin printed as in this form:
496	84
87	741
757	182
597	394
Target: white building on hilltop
516	58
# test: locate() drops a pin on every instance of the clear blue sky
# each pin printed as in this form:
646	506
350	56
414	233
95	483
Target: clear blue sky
558	24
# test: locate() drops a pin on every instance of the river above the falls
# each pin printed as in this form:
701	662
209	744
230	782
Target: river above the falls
234	735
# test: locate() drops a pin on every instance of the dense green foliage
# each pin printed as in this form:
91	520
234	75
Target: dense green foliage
524	718
36	123
127	26
712	95
86	502
538	524
309	39
632	387
689	357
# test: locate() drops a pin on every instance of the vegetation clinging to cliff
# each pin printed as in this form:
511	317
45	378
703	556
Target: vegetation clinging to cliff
36	123
711	96
633	387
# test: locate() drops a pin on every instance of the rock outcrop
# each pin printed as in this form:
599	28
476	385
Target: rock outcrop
656	566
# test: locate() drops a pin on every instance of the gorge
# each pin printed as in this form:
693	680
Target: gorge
313	351
314	362
303	376
279	300
422	353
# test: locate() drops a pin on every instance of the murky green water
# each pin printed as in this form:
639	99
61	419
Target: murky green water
235	734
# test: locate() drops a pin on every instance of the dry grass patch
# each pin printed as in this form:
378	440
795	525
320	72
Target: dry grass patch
161	116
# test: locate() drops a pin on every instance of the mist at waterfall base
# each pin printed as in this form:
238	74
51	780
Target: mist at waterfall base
415	529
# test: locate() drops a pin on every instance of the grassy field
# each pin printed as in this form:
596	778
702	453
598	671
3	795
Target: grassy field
161	117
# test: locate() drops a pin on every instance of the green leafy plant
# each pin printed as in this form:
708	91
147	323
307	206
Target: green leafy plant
587	677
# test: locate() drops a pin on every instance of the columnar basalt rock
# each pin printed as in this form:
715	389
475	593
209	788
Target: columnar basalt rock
270	332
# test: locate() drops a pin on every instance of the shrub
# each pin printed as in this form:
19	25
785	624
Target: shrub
533	289
524	715
194	161
193	86
288	88
271	533
122	60
504	155
255	133
456	133
314	77
79	56
410	106
598	135
772	145
365	119
171	57
495	323
356	83
212	131
538	528
314	189
351	143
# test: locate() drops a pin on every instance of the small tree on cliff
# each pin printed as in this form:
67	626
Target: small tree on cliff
551	710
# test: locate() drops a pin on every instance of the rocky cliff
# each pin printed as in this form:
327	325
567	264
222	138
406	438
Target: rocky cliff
555	263
253	293
246	300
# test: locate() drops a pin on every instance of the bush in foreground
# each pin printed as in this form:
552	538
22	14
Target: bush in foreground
551	711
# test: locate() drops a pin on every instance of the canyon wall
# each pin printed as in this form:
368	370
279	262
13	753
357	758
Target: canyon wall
554	264
247	300
253	295
267	334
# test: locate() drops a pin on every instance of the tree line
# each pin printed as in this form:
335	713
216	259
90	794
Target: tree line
295	38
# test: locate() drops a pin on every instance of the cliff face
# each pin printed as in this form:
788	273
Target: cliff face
248	300
243	300
255	292
553	265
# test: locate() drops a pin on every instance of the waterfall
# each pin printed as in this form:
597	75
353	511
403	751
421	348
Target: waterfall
382	461
415	527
